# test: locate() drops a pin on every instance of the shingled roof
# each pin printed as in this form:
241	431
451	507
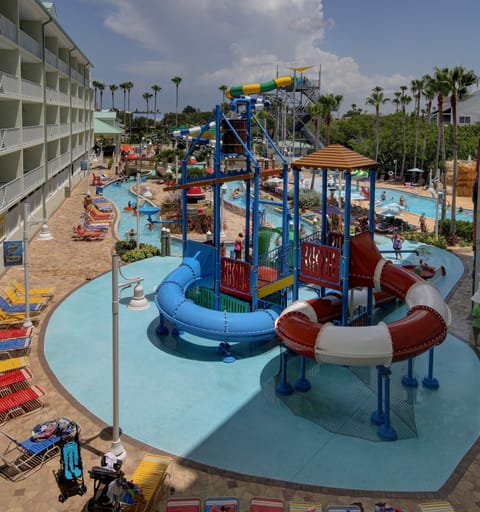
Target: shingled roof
335	157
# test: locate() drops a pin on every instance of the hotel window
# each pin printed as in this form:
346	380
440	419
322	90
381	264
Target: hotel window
464	120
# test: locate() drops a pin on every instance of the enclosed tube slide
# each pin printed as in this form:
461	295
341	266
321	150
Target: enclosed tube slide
194	131
208	323
277	83
306	328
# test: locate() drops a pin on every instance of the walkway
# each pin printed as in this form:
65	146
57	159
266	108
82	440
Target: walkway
75	262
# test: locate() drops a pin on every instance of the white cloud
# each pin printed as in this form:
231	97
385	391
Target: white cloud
209	43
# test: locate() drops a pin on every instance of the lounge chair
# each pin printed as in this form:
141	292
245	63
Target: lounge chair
296	506
262	504
33	291
21	458
151	475
221	504
20	403
343	508
15	347
435	506
14	298
15	380
177	504
6	334
14	320
15	363
80	233
18	308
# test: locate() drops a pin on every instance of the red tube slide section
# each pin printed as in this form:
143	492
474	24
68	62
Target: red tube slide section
306	326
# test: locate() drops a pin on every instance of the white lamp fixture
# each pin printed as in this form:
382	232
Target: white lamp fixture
44	235
138	303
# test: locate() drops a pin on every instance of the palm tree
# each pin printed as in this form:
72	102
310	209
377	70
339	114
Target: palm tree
156	89
96	84
113	88
223	88
124	87
442	90
377	99
176	80
146	96
460	80
416	86
330	103
129	87
101	87
429	94
396	100
405	100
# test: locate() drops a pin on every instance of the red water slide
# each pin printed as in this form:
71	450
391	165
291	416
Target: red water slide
306	326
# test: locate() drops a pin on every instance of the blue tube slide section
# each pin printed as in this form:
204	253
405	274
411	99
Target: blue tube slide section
197	268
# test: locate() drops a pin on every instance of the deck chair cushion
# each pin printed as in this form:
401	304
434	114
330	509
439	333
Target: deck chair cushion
71	459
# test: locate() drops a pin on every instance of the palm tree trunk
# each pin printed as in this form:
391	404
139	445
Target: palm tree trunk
453	224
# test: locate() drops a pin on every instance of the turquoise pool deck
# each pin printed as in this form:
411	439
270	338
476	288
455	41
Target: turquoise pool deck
178	395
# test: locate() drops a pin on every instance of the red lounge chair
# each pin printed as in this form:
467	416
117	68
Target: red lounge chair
14	381
183	505
19	403
84	234
261	504
23	332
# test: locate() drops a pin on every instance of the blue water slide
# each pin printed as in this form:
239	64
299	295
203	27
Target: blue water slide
197	269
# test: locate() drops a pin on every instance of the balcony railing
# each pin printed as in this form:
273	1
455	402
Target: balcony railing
28	43
52	95
9	138
8	29
33	135
8	84
31	89
33	178
50	58
10	192
62	66
53	131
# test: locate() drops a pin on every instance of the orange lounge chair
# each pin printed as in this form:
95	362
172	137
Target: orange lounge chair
21	402
85	234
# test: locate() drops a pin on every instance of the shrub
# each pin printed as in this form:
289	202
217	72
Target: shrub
426	238
309	199
129	252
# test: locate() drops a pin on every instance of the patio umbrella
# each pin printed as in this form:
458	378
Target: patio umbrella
334	210
392	206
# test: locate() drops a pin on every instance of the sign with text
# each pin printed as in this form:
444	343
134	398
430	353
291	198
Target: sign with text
12	253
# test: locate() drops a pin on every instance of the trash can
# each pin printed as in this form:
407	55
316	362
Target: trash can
68	191
99	191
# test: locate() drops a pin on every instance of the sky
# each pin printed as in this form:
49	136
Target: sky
353	45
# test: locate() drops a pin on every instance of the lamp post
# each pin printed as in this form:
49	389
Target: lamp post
439	200
138	302
44	235
138	212
223	190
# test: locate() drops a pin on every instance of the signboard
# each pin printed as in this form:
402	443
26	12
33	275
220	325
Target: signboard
12	253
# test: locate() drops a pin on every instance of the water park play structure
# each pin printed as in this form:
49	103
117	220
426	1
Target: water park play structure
252	299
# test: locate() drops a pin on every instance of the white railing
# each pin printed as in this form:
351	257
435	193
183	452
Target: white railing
52	95
64	159
8	29
65	129
8	84
53	166
53	131
50	58
64	98
9	138
10	192
28	43
33	178
78	152
33	135
31	89
62	66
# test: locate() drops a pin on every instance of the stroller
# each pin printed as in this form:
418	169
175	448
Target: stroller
103	476
70	475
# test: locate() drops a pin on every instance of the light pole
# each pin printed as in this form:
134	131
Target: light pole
439	200
223	190
44	235
138	302
138	211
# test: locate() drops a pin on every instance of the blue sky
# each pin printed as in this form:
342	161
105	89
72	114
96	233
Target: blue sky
358	44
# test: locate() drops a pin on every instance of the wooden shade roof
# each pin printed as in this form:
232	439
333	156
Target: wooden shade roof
335	157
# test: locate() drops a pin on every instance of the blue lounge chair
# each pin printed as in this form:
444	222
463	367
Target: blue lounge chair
18	308
221	504
21	458
15	347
